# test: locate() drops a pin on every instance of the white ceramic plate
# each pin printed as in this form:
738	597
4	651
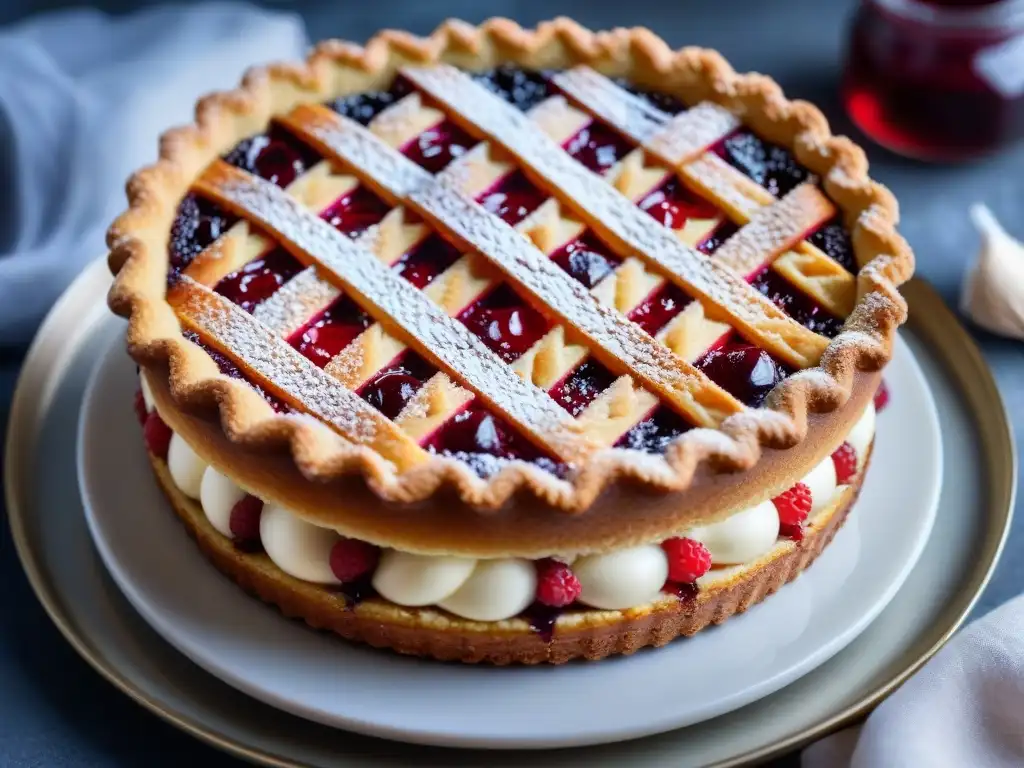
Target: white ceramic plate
317	676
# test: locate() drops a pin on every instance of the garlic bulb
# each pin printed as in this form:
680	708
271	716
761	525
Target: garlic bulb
993	293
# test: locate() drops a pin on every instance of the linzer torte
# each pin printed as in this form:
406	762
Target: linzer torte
506	345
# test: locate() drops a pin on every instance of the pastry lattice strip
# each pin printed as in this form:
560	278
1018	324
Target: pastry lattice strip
680	142
397	303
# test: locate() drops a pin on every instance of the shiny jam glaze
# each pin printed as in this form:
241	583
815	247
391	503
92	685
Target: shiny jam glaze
664	303
771	166
363	107
796	303
231	370
433	149
717	238
426	261
598	147
656	432
331	331
486	443
197	224
255	282
276	156
743	370
673	204
834	240
586	259
579	389
390	390
505	323
512	199
355	212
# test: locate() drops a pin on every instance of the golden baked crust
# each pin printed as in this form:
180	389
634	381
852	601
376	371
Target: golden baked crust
138	242
436	634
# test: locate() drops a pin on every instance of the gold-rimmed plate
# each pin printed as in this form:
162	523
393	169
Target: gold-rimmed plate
50	535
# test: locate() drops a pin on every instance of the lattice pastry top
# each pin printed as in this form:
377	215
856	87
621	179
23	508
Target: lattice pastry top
498	259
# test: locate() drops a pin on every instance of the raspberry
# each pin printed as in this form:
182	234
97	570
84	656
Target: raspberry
351	558
140	408
244	520
793	506
557	585
845	459
157	435
881	396
688	559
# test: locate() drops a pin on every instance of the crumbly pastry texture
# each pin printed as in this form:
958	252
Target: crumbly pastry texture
580	634
139	258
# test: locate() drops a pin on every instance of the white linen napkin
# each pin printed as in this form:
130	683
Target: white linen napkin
964	708
83	99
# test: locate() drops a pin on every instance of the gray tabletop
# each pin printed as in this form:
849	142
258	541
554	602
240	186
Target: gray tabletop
55	711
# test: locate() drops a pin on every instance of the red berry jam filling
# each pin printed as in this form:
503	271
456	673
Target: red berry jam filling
197	224
662	305
661	101
486	442
717	238
331	331
685	591
655	433
228	368
139	406
391	389
433	149
674	203
512	199
881	396
257	280
542	619
157	435
426	261
579	389
505	323
522	88
363	107
835	241
276	156
598	147
353	213
797	304
586	259
771	166
746	372
244	523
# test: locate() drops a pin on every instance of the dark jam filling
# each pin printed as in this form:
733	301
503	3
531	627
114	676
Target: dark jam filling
661	101
522	88
835	241
355	212
356	591
198	223
363	107
685	591
598	147
259	279
659	308
746	372
426	261
542	619
391	390
433	149
718	237
673	204
276	156
579	389
505	323
228	368
586	259
771	166
512	199
797	304
331	331
486	443
655	433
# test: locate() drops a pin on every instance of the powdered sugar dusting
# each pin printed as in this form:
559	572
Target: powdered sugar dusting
604	207
635	117
295	302
691	132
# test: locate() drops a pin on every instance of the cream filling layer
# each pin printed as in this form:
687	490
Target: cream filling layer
499	589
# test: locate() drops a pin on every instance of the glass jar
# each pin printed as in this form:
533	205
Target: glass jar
937	79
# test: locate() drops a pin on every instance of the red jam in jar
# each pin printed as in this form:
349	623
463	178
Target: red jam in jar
937	80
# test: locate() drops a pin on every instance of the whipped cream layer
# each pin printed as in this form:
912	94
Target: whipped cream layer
502	588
